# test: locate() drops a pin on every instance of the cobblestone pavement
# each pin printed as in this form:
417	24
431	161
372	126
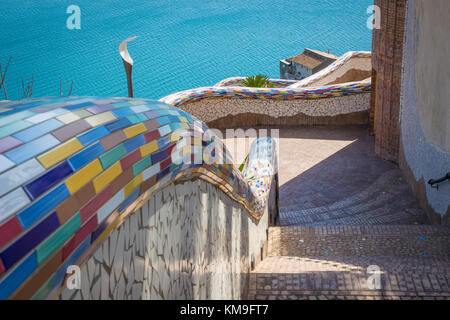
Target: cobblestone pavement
323	278
343	209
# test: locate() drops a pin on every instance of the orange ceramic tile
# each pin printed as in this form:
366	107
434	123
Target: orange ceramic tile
107	176
134	130
61	152
83	176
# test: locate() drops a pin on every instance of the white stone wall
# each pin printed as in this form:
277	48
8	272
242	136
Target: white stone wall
216	108
188	241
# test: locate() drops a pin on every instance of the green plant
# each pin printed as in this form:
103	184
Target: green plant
258	81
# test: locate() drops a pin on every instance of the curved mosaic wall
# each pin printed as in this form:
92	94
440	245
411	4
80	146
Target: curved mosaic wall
311	93
69	166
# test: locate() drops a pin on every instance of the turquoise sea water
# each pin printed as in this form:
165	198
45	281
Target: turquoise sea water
182	44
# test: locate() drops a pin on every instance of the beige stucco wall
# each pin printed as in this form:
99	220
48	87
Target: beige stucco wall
432	61
188	241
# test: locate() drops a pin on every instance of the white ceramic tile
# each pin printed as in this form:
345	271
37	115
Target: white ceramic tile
109	206
47	115
150	172
18	175
12	202
5	163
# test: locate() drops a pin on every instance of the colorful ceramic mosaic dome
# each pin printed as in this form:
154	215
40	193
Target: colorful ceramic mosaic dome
70	167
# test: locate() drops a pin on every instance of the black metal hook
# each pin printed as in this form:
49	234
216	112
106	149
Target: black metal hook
435	182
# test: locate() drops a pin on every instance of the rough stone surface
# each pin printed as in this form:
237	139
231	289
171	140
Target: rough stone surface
188	241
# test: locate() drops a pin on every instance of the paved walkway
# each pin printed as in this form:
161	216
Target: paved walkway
342	209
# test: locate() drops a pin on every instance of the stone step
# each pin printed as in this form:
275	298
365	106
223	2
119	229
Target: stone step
360	241
383	183
345	277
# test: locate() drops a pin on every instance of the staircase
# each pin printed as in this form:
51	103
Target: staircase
324	252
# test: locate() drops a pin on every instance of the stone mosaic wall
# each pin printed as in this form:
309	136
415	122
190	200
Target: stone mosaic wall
212	109
71	169
309	97
188	241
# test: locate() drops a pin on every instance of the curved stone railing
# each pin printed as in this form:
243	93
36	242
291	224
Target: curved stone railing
73	171
314	100
360	60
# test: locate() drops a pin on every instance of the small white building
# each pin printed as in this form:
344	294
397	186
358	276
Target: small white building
305	64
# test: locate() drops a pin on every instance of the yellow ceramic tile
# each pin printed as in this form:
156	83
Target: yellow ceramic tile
83	176
186	150
134	130
175	136
73	116
60	153
82	113
100	119
133	184
148	148
107	177
68	117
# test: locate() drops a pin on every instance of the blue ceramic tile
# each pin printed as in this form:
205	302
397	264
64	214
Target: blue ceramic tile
175	126
7	119
159	156
122	105
40	117
32	148
79	106
93	135
141	108
163	142
118	124
12	202
129	200
51	178
87	155
163	120
163	112
134	143
38	209
162	173
136	118
164	130
12	254
13	280
14	127
122	112
38	130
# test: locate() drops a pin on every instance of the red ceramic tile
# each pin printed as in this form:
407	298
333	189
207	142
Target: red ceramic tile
164	164
79	236
130	159
95	204
2	268
9	230
152	135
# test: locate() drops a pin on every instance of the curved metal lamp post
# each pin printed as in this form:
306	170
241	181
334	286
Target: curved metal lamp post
128	63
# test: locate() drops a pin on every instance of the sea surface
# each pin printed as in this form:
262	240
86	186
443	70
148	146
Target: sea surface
181	44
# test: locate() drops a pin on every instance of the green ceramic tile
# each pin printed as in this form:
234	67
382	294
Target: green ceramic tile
58	238
141	165
112	156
